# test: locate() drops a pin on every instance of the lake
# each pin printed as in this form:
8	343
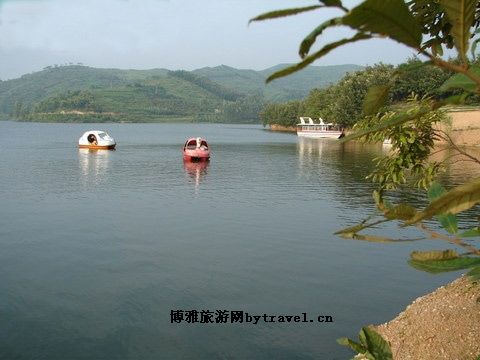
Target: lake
97	248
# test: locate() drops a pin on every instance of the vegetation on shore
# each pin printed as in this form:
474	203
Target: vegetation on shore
342	103
76	93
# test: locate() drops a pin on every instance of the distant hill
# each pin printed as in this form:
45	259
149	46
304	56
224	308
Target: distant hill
80	93
296	86
309	78
31	88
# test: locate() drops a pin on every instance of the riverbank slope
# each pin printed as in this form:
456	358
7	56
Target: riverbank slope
444	324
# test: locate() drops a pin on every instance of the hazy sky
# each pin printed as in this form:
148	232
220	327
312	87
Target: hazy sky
172	34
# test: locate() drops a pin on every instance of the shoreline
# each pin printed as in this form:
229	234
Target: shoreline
282	128
444	324
464	128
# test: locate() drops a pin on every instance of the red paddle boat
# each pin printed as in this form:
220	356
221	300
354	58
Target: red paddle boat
196	149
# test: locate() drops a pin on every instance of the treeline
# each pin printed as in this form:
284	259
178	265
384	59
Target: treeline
245	110
342	103
138	102
71	100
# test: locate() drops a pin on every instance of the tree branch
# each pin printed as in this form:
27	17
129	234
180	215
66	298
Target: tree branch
452	240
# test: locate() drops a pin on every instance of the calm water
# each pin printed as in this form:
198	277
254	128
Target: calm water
98	247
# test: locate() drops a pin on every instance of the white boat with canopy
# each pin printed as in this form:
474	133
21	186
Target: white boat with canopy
308	128
96	140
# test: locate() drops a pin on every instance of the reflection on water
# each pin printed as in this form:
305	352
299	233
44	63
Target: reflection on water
458	168
308	147
196	171
339	169
93	165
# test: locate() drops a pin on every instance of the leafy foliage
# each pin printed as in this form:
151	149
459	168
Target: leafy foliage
474	273
284	114
461	15
449	221
322	52
412	138
439	266
414	76
340	103
459	199
372	346
286	12
71	100
434	255
461	81
371	91
391	18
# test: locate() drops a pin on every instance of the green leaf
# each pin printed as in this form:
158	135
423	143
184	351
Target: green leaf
376	239
309	59
474	273
437	48
285	12
376	98
352	345
395	120
461	14
471	233
434	255
400	212
435	191
376	345
312	37
456	200
438	266
473	48
352	229
336	3
391	18
448	221
461	81
451	100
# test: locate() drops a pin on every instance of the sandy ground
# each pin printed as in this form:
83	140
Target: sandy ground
444	324
465	128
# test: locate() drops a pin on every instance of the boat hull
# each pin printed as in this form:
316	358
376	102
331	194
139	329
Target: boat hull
98	147
195	158
320	134
196	155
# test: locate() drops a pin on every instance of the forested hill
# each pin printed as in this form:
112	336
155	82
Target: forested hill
79	93
296	86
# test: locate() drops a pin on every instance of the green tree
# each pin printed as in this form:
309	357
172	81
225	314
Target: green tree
348	97
285	114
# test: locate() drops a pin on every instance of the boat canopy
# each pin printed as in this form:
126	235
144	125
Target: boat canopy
322	123
305	120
